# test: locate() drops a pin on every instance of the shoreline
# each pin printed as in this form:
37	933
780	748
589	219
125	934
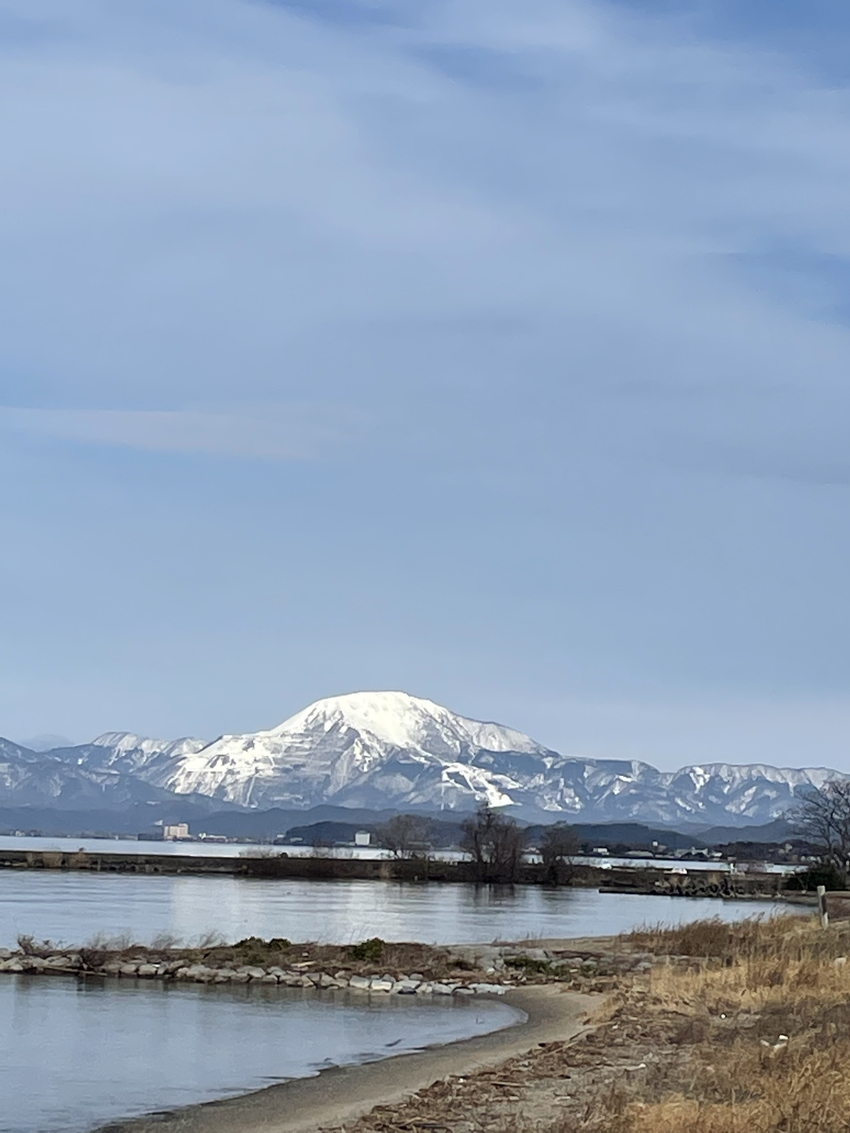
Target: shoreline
344	1093
640	877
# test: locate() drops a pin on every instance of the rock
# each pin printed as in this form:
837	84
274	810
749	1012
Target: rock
381	983
111	968
253	973
13	964
839	961
200	973
290	979
222	976
425	989
463	991
441	989
129	969
269	978
406	987
487	989
5	954
307	982
239	977
148	970
360	983
417	976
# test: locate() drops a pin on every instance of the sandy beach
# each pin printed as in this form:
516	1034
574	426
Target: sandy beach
344	1093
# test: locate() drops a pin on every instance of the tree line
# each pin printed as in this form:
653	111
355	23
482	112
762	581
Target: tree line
494	841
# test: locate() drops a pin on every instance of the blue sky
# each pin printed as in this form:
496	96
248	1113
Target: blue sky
496	352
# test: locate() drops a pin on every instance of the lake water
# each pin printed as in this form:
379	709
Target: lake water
73	908
77	1054
104	1050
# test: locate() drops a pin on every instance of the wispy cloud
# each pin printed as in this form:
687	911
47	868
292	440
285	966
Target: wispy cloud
563	280
270	433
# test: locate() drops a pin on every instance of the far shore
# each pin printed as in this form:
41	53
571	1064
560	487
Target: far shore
641	877
344	1093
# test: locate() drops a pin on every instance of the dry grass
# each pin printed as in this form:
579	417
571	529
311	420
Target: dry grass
754	1030
739	1028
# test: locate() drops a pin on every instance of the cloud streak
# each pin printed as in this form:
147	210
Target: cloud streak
274	433
547	300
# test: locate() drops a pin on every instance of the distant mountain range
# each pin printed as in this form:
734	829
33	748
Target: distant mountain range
389	750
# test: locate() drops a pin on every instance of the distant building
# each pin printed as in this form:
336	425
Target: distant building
362	838
174	831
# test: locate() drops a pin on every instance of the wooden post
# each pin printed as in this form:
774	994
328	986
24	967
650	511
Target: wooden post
822	909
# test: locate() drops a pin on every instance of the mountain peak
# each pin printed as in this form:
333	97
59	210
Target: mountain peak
400	720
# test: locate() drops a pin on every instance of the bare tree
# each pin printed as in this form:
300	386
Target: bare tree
823	819
558	846
404	835
495	843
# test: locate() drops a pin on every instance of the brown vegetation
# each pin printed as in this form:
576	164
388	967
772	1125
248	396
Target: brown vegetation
740	1028
367	957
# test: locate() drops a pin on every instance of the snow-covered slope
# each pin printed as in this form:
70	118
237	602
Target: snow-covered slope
39	779
140	756
389	749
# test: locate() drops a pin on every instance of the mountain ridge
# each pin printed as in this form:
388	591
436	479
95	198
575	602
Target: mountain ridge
390	749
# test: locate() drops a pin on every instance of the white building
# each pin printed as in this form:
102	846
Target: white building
175	831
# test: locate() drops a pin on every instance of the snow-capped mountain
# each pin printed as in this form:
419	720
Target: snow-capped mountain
128	753
389	749
365	749
38	779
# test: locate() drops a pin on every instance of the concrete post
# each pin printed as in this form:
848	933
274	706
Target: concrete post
822	909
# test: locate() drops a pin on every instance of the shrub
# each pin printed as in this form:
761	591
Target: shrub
255	943
528	965
370	950
826	875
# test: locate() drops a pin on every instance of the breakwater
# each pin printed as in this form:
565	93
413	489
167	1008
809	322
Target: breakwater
700	883
373	966
638	879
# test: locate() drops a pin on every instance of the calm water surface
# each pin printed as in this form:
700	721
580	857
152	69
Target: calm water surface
75	1055
73	908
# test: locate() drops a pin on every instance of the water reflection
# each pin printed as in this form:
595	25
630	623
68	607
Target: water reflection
75	907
